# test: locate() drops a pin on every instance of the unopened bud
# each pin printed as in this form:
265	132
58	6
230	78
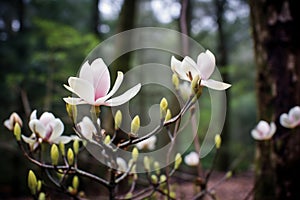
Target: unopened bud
118	119
163	107
229	174
76	146
42	196
135	125
178	160
154	179
54	154
135	154
218	141
39	186
168	115
156	167
162	178
70	156
32	182
175	81
128	195
75	182
106	140
72	111
147	163
17	131
195	84
62	148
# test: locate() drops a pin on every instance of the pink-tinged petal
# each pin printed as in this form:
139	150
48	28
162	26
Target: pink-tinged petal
256	135
272	129
263	127
101	78
86	73
123	98
285	121
57	129
190	68
83	89
13	118
216	85
116	86
29	140
38	128
33	115
74	101
46	118
62	139
294	114
206	64
8	125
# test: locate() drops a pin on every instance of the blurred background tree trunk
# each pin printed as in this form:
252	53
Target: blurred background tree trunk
277	51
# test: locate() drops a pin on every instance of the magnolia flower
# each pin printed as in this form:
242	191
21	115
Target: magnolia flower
87	128
188	70
263	130
192	159
122	165
93	84
10	123
45	129
148	143
292	119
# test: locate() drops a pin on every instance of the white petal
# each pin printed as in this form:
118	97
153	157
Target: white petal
101	77
192	159
33	115
29	140
8	125
58	129
62	139
189	66
272	129
87	128
123	98
263	127
37	127
86	72
122	165
206	64
74	101
46	118
294	114
256	135
216	85
83	89
175	64
285	121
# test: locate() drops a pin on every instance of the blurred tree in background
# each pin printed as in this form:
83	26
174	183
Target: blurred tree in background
44	42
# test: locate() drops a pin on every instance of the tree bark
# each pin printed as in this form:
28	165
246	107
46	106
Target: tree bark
277	51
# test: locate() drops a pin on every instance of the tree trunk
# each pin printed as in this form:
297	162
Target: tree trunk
276	45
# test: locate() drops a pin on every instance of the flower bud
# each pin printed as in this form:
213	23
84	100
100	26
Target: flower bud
168	115
147	163
72	111
154	179
218	141
54	154
42	196
135	125
135	154
195	84
32	182
76	146
229	174
75	182
118	119
156	167
128	195
163	107
162	178
106	140
178	160
17	131
70	156
39	186
175	81
62	148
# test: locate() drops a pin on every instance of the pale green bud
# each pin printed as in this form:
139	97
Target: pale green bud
135	154
17	131
135	125
154	179
128	195
156	167
175	81
229	174
168	115
218	141
107	140
42	196
118	119
195	84
54	154
163	107
39	186
70	156
75	182
62	148
32	182
162	178
147	163
178	160
76	146
72	111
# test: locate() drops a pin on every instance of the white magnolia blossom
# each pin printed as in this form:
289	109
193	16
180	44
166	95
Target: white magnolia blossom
93	84
187	69
45	129
122	165
10	123
148	144
192	159
87	128
263	130
292	119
